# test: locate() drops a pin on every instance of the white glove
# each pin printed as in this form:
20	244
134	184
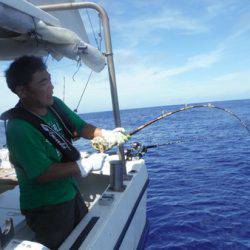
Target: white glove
93	162
114	137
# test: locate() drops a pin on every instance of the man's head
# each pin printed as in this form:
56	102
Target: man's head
27	77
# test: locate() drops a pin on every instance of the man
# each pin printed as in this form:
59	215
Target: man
38	139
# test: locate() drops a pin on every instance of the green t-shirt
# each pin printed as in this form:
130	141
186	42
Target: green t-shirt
32	155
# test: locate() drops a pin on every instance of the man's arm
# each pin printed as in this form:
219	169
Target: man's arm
84	129
58	171
89	131
66	169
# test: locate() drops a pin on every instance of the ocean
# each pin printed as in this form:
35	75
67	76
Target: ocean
199	189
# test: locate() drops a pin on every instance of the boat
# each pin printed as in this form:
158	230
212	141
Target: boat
116	196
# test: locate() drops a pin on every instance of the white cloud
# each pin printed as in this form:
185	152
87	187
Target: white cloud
167	20
148	26
218	8
242	27
149	78
193	63
236	77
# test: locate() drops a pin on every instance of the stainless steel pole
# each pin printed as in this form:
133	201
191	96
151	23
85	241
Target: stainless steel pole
109	55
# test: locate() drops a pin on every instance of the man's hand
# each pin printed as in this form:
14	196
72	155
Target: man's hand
115	137
93	162
109	139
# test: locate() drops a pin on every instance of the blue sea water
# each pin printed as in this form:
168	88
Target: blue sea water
199	190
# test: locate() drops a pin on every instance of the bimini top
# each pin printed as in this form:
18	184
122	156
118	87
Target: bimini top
25	29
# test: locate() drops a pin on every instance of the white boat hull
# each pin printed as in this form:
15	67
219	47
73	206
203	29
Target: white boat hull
118	225
116	220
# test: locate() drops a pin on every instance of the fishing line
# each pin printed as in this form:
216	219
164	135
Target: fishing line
181	140
176	142
137	150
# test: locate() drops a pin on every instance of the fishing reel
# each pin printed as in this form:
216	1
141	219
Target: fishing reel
137	151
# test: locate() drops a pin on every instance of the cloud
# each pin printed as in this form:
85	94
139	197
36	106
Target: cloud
165	55
148	26
167	20
242	27
234	13
218	8
242	76
221	87
195	62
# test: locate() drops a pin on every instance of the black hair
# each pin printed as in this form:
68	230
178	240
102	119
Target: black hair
21	71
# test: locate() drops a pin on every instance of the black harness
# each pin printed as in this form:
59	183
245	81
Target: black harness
64	145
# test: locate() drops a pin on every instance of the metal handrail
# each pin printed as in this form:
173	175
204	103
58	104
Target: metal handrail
108	53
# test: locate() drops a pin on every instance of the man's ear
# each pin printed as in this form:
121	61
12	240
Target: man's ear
20	91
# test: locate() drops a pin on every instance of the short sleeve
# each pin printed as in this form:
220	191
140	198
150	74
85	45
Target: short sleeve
73	117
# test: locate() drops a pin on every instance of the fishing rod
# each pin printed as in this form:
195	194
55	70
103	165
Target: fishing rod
184	109
100	144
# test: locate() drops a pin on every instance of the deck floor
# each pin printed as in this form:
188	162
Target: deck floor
8	179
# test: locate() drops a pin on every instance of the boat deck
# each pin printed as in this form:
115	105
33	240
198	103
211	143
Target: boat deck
90	187
105	206
8	179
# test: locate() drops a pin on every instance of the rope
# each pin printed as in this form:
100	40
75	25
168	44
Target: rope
35	34
79	64
75	110
99	47
92	29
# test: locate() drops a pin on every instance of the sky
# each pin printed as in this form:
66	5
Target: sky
166	52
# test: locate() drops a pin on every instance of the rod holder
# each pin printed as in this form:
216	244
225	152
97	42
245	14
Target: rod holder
116	176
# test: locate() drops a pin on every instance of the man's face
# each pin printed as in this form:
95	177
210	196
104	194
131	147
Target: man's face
40	90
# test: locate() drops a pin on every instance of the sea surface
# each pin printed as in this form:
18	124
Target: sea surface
199	186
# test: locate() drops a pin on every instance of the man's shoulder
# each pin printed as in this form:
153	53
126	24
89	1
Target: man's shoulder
59	105
62	107
58	101
17	122
18	125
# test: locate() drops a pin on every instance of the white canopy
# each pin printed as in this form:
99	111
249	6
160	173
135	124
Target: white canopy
68	19
26	29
